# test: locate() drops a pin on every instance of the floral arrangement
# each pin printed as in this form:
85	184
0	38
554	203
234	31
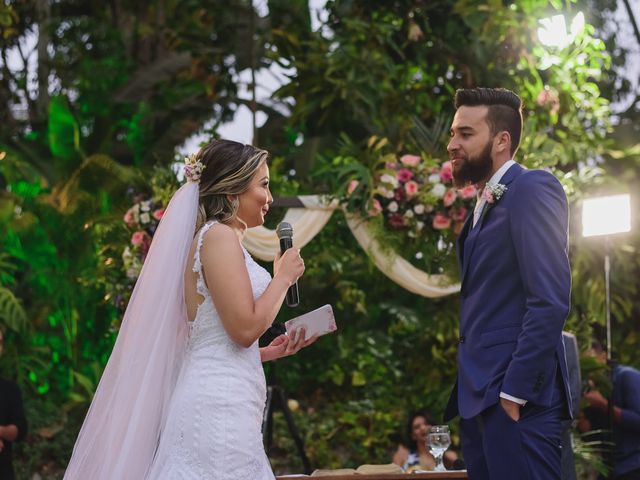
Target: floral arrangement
141	220
412	205
123	240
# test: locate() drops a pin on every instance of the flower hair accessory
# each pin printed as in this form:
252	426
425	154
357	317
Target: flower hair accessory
193	168
493	193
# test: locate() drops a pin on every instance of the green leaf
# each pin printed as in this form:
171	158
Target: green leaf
64	133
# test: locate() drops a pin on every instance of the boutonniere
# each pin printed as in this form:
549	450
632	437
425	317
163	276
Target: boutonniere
493	193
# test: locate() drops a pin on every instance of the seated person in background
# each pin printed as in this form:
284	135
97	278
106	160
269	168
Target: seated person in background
626	415
414	454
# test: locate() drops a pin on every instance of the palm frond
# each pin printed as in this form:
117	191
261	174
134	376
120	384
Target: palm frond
97	172
12	313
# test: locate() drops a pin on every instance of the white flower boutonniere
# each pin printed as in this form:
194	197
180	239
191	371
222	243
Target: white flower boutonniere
493	193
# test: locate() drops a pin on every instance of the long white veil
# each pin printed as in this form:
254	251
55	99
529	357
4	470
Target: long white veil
121	430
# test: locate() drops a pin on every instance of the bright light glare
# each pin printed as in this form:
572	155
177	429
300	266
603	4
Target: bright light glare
553	32
606	215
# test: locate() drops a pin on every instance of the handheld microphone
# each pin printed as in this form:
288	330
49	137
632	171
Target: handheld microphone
285	234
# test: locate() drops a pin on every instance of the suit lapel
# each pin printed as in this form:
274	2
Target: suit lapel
461	238
468	242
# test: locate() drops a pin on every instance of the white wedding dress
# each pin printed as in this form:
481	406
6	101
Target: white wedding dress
216	411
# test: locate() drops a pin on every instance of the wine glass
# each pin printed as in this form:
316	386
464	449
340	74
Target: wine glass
438	440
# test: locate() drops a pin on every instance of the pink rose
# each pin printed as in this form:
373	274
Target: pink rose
410	160
353	184
446	172
459	214
404	175
158	214
376	208
137	238
411	188
441	222
129	218
468	192
487	194
450	197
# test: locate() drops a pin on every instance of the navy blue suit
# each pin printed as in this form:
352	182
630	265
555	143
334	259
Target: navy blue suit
515	297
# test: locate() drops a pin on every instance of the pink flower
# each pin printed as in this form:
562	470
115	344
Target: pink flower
410	160
158	214
391	165
137	238
129	218
446	172
441	222
549	98
468	192
487	194
404	175
376	208
411	188
450	197
459	214
353	184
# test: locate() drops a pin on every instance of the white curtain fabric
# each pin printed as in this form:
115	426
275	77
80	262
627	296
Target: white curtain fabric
309	221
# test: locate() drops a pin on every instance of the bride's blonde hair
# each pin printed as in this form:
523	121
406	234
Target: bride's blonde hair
229	168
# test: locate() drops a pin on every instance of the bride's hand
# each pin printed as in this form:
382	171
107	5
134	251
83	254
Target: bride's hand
285	345
289	264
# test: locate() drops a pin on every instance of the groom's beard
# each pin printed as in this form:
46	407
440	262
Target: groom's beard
472	170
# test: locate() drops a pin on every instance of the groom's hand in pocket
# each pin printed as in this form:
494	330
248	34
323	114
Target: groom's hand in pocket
511	408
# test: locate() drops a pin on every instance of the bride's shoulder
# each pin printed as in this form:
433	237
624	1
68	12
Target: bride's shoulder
220	238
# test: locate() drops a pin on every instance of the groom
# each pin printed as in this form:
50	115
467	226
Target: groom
511	389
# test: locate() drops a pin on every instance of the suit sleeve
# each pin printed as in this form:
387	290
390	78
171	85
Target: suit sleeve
630	414
539	230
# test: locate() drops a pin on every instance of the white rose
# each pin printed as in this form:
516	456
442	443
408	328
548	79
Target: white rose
392	207
434	178
408	214
390	179
145	206
419	225
438	190
419	209
145	218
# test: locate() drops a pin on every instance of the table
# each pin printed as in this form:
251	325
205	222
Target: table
396	476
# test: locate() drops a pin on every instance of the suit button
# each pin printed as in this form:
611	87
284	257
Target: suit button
461	339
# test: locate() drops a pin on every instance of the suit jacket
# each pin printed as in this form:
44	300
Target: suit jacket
515	295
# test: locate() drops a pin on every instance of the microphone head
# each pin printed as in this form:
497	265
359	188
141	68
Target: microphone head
284	230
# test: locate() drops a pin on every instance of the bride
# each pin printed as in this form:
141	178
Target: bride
183	393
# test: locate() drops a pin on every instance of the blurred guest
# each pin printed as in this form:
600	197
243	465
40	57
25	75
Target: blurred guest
626	416
13	425
414	454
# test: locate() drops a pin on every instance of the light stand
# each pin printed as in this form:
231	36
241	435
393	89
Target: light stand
606	216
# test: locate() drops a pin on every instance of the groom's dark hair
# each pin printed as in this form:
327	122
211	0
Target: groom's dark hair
505	110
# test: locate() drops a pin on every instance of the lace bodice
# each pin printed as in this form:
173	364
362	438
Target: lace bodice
213	428
206	328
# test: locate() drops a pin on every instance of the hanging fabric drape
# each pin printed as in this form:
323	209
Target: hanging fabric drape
309	221
306	222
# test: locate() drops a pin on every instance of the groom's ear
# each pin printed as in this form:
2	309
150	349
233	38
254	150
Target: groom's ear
502	142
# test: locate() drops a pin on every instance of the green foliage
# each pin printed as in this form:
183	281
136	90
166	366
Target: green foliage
135	82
